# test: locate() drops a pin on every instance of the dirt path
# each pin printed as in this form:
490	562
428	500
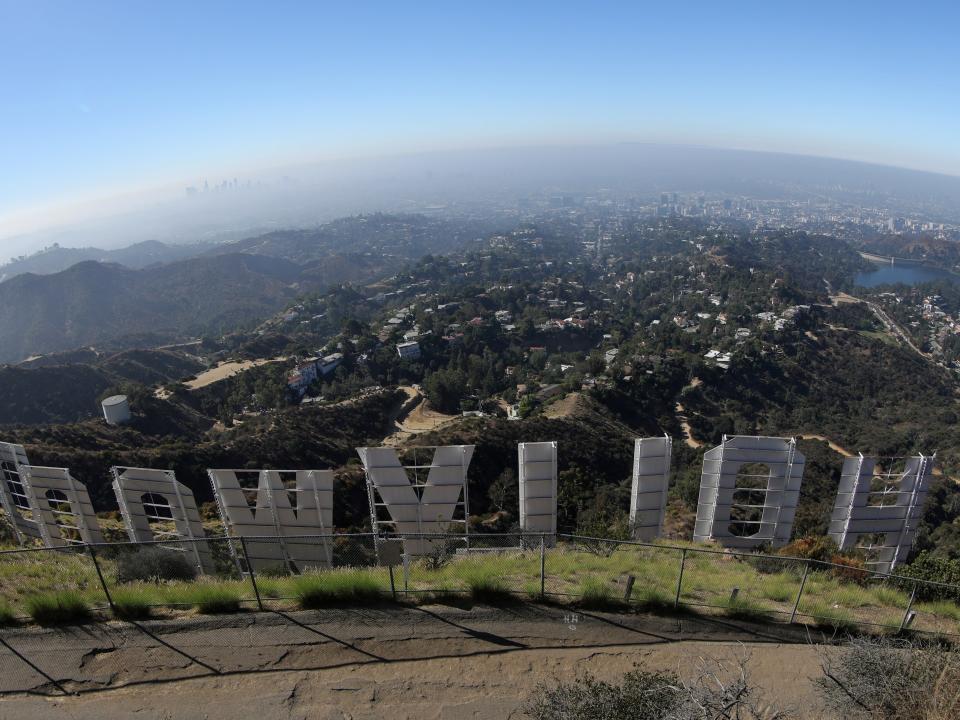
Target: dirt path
430	663
420	419
685	426
225	370
833	446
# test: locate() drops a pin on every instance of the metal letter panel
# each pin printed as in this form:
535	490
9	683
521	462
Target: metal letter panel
719	493
131	485
538	487
441	491
854	517
40	483
648	492
274	515
13	495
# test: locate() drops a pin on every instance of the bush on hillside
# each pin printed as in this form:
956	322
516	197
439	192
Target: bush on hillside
850	569
933	569
889	679
154	564
811	547
714	692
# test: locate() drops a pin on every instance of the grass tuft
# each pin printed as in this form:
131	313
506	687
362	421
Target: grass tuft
835	619
7	616
485	585
597	595
66	607
779	588
337	587
652	599
217	600
130	605
208	598
743	608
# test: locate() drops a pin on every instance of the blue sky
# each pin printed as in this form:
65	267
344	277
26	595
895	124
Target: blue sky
98	97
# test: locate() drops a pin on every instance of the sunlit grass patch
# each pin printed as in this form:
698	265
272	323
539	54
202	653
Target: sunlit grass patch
130	604
835	619
744	608
337	587
208	598
66	607
598	595
941	608
779	588
486	585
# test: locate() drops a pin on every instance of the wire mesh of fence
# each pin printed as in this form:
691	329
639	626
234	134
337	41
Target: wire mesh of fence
221	575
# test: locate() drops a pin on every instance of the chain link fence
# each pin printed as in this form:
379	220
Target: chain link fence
177	586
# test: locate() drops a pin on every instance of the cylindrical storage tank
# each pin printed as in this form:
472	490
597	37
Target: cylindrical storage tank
116	410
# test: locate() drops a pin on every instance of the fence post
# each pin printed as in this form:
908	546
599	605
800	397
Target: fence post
906	615
803	582
543	567
253	575
683	562
96	564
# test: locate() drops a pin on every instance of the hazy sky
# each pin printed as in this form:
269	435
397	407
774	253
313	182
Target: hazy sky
98	97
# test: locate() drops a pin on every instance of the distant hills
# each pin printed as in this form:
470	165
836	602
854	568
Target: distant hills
55	259
110	306
145	301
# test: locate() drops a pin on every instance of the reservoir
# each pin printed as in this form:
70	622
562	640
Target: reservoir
906	274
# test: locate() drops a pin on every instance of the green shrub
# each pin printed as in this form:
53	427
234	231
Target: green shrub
811	547
154	564
849	569
935	569
337	587
767	564
66	607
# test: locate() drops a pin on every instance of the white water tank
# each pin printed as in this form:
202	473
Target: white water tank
116	410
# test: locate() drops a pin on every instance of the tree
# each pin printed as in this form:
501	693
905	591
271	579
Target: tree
444	389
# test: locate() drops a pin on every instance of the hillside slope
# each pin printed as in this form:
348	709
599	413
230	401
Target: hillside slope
70	392
109	305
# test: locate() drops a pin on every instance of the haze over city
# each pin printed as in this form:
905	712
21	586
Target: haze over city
111	110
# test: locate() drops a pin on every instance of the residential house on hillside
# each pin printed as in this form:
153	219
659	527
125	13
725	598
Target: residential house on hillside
409	350
307	372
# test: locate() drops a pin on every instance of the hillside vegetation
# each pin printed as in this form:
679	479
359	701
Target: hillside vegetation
39	392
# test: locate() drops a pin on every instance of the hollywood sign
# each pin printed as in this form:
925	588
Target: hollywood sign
749	488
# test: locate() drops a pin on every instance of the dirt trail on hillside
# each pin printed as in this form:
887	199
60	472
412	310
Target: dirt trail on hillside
685	426
833	446
420	419
225	370
430	663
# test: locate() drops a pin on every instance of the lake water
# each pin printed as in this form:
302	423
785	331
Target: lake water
906	274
